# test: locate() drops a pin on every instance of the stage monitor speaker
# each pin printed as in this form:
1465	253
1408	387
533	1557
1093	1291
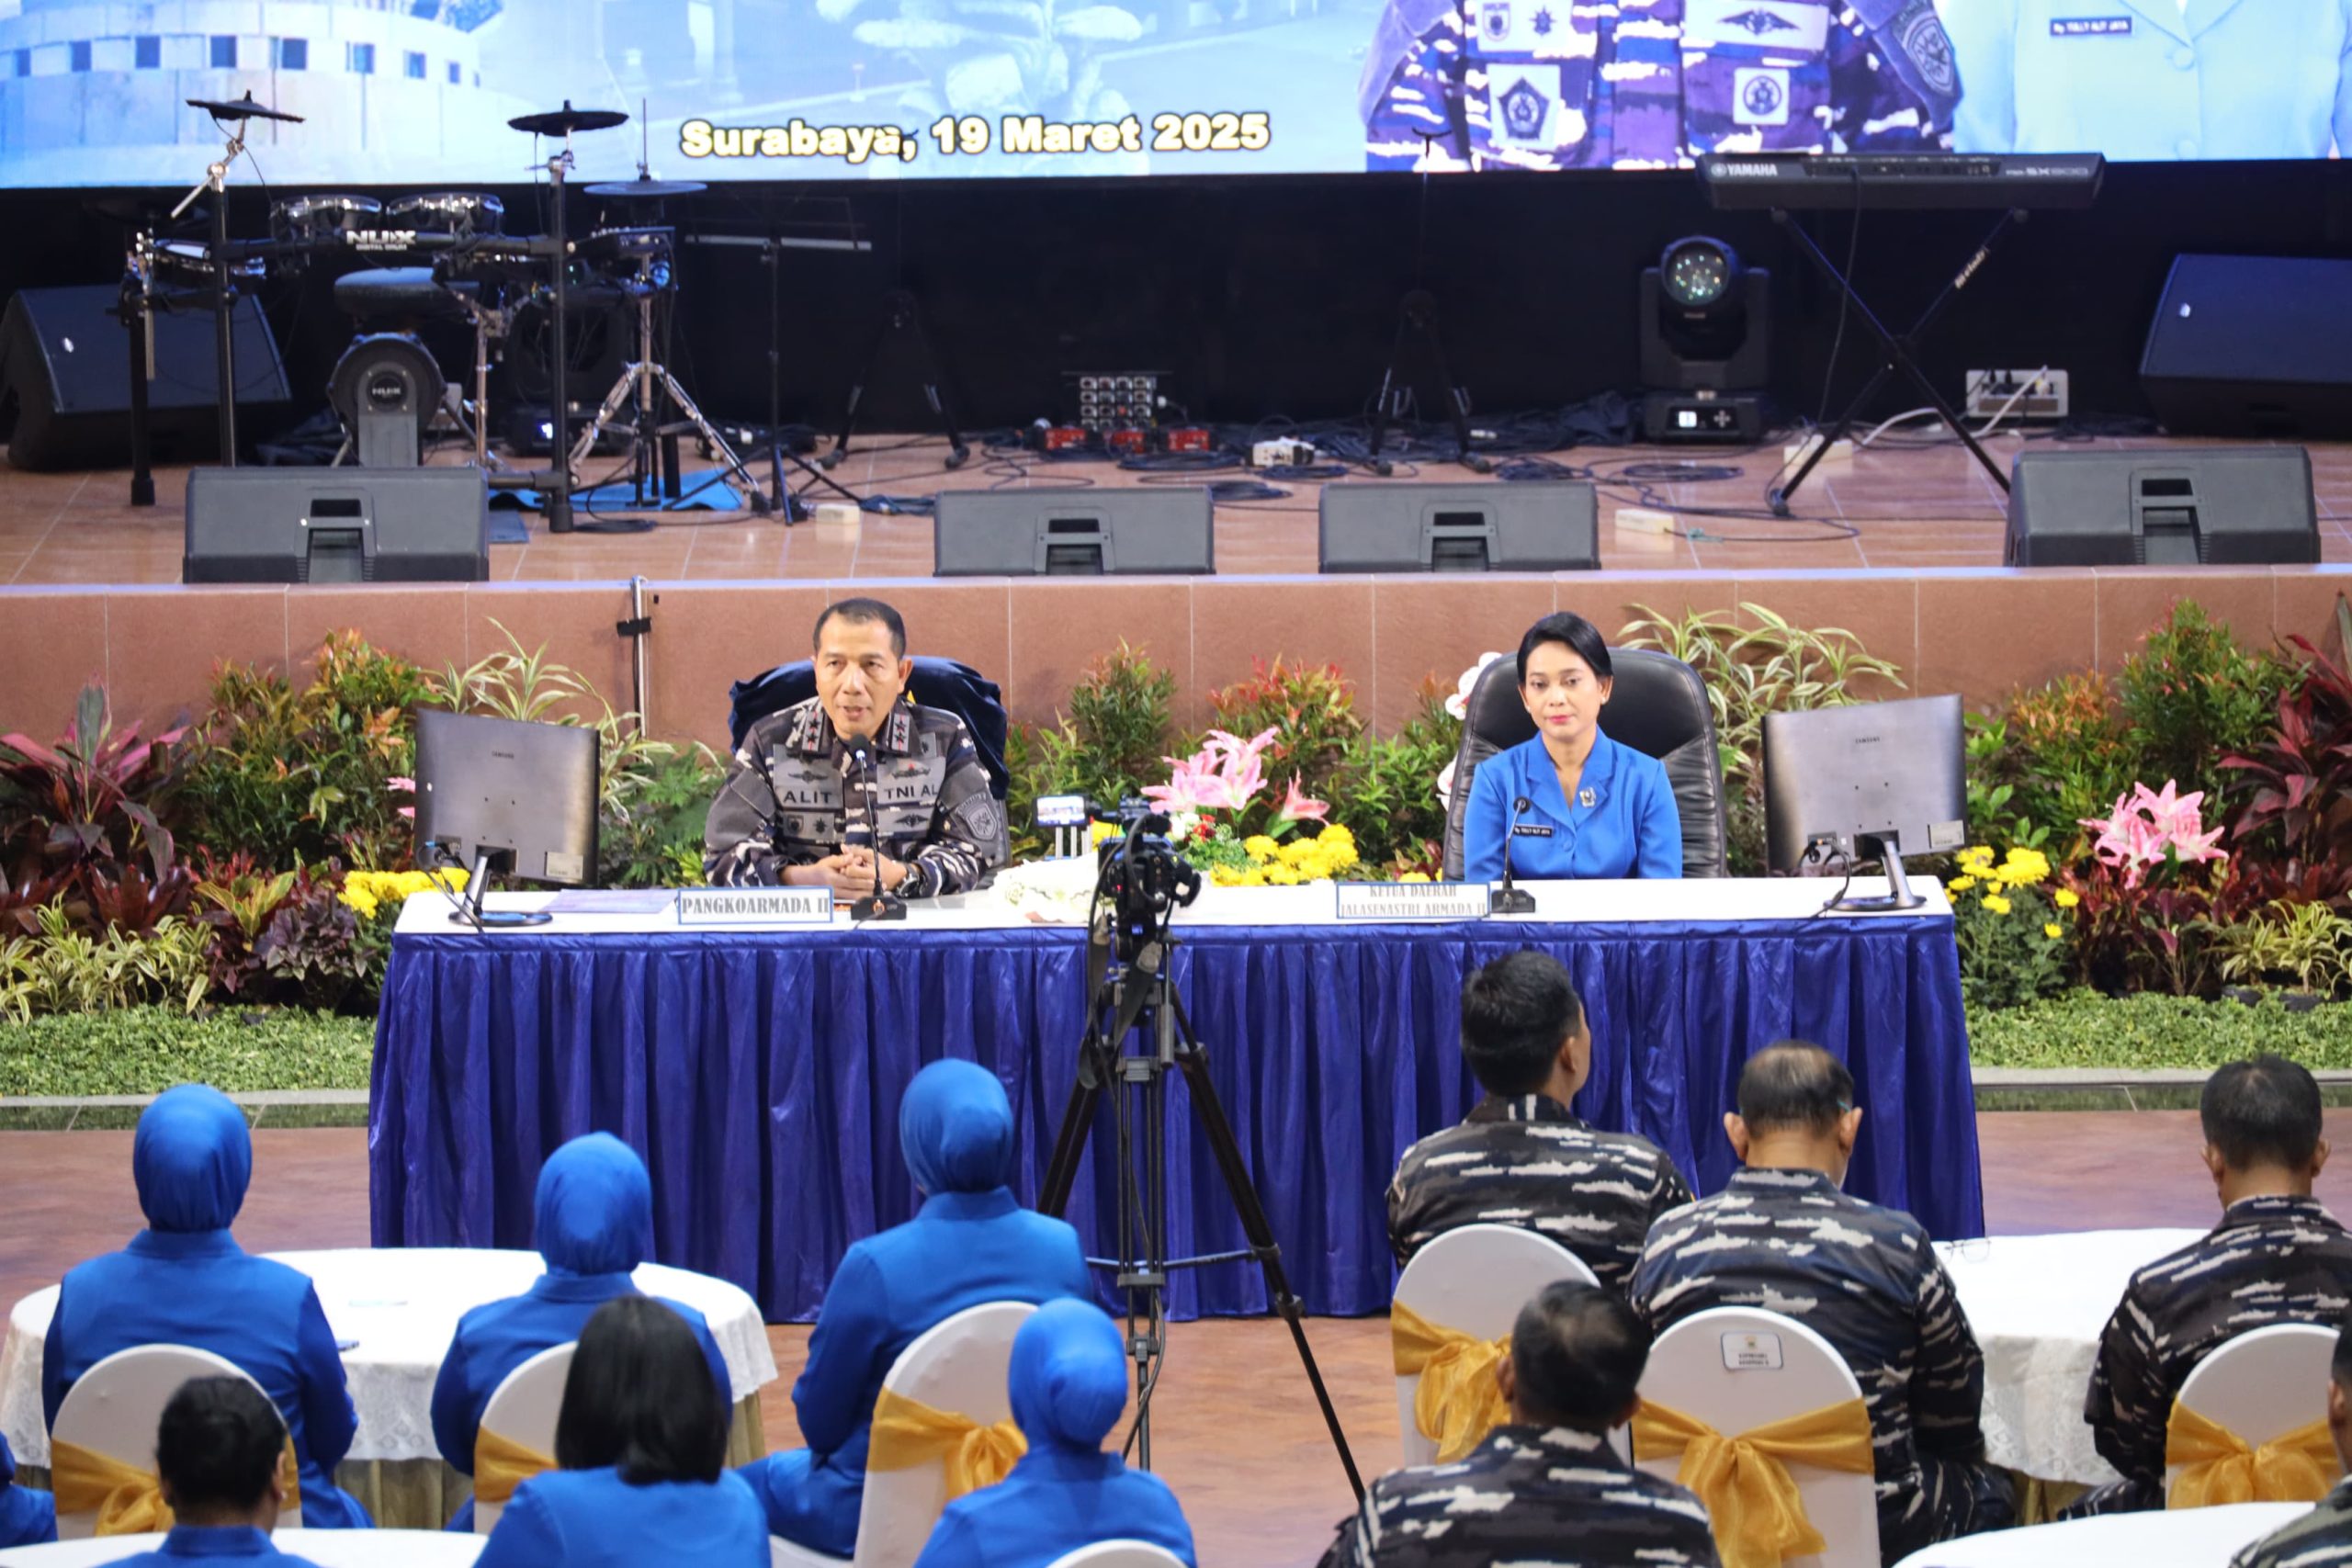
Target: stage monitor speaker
1538	525
65	380
2251	506
1073	533
337	525
2253	346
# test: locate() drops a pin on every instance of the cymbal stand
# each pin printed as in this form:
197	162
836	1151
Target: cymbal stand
135	308
224	300
649	379
557	493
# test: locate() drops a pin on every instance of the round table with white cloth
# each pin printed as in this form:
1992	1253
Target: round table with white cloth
328	1549
2188	1538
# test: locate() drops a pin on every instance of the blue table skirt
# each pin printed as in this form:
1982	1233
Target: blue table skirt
760	1074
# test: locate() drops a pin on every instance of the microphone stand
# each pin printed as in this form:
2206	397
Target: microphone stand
1508	900
877	904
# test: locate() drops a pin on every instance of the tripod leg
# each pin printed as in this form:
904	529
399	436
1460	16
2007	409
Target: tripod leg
891	321
738	474
1457	401
1069	1143
933	385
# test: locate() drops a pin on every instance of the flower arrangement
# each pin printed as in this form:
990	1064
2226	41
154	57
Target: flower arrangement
2010	926
1272	864
367	892
1218	819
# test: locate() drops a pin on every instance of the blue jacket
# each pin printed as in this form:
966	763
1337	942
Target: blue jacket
968	1244
185	1281
231	1544
594	1224
591	1518
26	1517
1630	829
1068	1385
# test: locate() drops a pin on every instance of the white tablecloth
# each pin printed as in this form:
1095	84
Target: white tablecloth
2193	1537
328	1549
402	1304
2038	1305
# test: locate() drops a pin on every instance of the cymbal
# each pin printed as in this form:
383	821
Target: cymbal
649	189
241	108
566	120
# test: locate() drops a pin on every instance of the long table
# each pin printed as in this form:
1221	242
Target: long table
759	1071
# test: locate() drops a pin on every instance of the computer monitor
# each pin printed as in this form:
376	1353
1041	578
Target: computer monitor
502	794
1876	781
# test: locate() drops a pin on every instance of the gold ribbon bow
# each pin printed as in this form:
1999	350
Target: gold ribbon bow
1459	1401
1758	1516
501	1464
2216	1466
128	1500
907	1433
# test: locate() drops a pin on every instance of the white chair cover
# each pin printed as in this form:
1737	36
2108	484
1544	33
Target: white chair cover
114	1408
1474	1280
523	1409
1120	1554
2263	1383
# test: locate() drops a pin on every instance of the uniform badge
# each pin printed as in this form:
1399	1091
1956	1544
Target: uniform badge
1522	107
1921	34
1760	22
1759	95
1585	797
1493	22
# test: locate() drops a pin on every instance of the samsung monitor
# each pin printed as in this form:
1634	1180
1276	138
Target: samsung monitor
1876	781
499	794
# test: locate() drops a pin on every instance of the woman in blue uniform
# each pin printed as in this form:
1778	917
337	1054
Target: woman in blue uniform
1068	1384
970	1243
642	1443
185	1281
594	1224
26	1517
1594	809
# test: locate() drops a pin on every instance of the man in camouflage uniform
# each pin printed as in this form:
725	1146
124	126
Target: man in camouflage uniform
1546	1488
820	792
1781	1236
1522	1157
1651	83
2277	1256
2323	1537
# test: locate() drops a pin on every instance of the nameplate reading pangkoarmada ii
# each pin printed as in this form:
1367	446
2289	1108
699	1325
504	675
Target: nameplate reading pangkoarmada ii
1412	900
755	906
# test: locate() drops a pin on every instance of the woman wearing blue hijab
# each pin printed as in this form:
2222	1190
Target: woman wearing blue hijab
26	1517
185	1281
594	1224
970	1243
1068	1384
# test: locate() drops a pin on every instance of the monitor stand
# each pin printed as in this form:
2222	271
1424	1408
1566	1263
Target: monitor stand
1898	897
470	911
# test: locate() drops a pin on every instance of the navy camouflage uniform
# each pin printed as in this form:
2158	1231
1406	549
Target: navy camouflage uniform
1651	83
1528	1161
2320	1539
1867	1280
793	797
2276	1259
1558	1497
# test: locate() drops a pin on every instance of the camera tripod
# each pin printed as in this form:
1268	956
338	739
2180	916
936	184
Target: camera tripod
1135	995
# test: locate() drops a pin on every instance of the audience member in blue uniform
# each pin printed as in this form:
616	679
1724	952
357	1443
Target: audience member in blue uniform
26	1517
970	1243
185	1281
642	1442
218	1449
593	1225
1068	1384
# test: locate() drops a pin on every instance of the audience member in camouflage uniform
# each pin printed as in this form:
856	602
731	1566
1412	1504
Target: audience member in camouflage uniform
1522	1157
2323	1537
799	808
1781	1236
2277	1256
1546	1488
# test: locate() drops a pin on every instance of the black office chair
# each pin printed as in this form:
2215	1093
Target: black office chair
1657	706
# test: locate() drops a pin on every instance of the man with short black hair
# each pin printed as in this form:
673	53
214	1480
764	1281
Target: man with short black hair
218	1450
1522	1157
1783	1237
2277	1256
854	786
1546	1487
2323	1537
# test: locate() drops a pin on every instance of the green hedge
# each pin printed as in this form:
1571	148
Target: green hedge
146	1050
2084	1028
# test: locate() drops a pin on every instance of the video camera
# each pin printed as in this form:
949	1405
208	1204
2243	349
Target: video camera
1141	878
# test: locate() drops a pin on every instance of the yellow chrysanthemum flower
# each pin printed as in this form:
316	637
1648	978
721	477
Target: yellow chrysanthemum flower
2053	931
1959	884
1259	847
1995	903
1098	831
1413	877
2065	897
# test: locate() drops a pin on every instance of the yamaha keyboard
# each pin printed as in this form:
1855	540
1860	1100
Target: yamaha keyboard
1897	180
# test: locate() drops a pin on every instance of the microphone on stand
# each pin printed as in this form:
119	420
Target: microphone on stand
876	904
1508	900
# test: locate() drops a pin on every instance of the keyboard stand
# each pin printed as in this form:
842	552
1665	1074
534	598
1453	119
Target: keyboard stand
1901	355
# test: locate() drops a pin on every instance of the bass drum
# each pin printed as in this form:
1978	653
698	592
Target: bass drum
303	220
461	215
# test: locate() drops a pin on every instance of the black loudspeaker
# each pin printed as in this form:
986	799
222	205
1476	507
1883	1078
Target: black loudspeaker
2163	507
1538	525
337	525
2257	346
65	373
1073	533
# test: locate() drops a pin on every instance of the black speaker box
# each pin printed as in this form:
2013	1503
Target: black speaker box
1536	525
337	525
2251	506
1073	533
2257	347
65	379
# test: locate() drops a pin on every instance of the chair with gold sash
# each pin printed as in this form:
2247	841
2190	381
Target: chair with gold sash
516	1439
102	1450
942	1427
1120	1554
2250	1424
1450	1323
1761	1416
